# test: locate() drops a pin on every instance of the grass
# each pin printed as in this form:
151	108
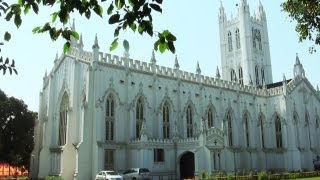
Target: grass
312	178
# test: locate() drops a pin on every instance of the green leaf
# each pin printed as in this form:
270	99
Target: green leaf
88	14
171	47
119	3
156	44
162	47
35	8
66	47
54	16
114	44
17	20
110	9
114	19
156	7
36	29
133	27
159	1
140	28
116	31
171	37
75	35
126	45
7	36
9	16
26	9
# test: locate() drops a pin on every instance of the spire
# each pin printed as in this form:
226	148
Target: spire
56	59
297	60
73	39
96	44
298	70
81	43
198	70
222	14
153	58
176	63
73	25
317	88
284	78
218	73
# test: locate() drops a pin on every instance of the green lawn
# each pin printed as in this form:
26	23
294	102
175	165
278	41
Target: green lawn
313	178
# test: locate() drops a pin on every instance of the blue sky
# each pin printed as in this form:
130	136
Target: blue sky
195	24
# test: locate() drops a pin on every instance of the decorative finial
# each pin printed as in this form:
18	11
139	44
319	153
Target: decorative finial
176	63
284	78
218	76
73	25
153	58
81	41
198	70
56	59
297	59
96	45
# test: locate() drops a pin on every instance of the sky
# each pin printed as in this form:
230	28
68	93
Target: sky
194	23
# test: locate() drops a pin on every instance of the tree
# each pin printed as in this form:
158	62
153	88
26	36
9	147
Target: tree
124	14
307	15
16	131
5	64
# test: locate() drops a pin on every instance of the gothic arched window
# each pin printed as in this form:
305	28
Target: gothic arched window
230	41
139	116
254	44
63	120
233	75
261	130
262	75
229	126
257	75
317	121
278	132
240	75
166	120
246	124
110	118
238	39
189	122
210	117
259	39
296	122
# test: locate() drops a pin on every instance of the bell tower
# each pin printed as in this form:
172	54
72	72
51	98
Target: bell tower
244	46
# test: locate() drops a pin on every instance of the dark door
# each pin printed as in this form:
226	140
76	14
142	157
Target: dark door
187	165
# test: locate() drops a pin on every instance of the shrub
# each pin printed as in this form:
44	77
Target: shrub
53	178
262	175
204	176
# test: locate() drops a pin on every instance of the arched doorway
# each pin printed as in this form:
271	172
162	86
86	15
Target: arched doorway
187	165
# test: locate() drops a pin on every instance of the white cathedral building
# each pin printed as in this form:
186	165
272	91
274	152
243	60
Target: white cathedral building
100	111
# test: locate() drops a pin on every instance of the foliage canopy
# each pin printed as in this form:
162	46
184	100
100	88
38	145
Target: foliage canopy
16	131
307	15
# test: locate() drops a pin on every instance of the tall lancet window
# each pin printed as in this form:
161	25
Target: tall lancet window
262	75
317	121
233	75
257	75
261	130
63	120
238	39
229	41
240	75
254	44
278	132
246	126
189	122
229	126
210	117
307	126
259	39
139	116
166	120
110	118
295	122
